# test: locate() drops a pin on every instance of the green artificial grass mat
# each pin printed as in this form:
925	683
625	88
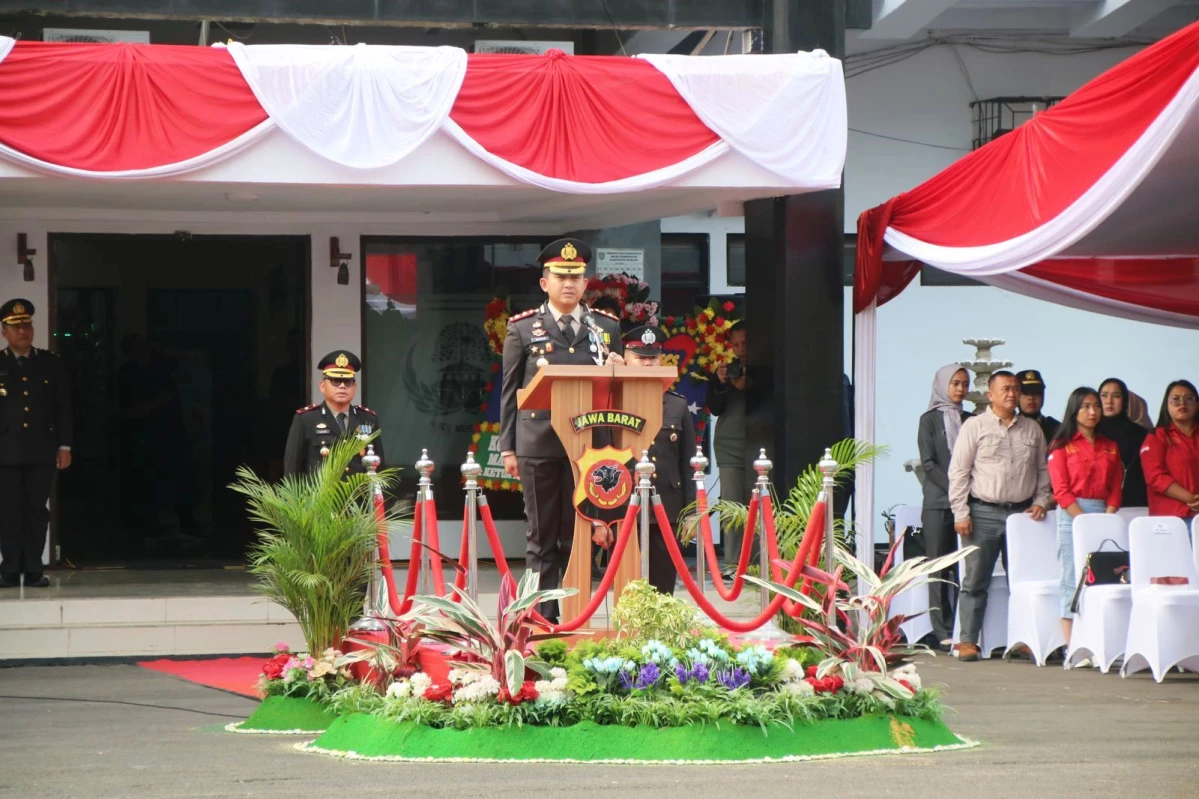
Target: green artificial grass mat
365	736
287	714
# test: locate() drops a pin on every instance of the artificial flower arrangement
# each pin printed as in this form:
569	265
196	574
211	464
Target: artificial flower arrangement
632	293
300	675
499	678
709	326
495	324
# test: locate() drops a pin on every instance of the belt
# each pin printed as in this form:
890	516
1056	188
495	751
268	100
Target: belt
1002	505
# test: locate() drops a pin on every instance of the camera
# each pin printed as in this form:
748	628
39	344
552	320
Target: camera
736	369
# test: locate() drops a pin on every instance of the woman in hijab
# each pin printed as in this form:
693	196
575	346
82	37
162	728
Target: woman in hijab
1128	435
938	432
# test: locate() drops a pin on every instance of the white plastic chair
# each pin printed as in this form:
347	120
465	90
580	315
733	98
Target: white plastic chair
1164	629
1101	625
915	600
1128	514
1034	606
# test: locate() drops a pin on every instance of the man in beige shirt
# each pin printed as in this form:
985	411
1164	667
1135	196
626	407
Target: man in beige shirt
999	467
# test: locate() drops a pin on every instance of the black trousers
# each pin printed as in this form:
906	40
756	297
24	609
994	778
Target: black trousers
548	485
24	491
662	574
941	539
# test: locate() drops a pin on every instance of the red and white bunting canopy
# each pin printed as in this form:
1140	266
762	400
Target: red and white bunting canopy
1090	204
565	123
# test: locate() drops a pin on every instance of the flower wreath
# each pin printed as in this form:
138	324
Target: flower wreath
632	294
495	324
709	327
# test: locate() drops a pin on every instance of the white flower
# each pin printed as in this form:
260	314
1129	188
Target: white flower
400	689
557	673
798	687
862	685
420	683
792	670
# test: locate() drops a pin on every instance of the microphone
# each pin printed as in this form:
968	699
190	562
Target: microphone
597	336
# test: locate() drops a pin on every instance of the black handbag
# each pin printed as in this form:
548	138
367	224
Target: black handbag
1102	568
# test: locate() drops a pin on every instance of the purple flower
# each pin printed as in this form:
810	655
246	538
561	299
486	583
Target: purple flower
700	672
626	679
681	672
732	680
648	676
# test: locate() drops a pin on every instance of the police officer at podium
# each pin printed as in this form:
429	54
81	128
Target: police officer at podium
560	331
315	428
671	455
35	442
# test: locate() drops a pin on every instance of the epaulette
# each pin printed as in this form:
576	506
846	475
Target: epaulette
608	314
307	408
522	315
364	408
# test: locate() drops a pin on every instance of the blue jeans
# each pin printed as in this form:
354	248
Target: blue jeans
1065	549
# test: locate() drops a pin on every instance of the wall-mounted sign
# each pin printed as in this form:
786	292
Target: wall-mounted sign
613	261
586	421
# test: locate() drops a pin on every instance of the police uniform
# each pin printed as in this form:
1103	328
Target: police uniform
545	472
671	454
1032	383
35	423
316	428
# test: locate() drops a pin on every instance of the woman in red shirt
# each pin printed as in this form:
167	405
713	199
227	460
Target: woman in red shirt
1087	475
1170	455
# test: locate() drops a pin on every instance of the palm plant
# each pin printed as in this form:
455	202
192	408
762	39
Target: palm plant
500	649
316	542
792	514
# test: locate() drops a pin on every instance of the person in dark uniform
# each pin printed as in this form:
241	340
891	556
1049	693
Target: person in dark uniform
671	453
315	428
560	331
35	442
1032	400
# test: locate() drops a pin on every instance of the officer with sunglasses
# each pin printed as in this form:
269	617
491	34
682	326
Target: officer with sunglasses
316	428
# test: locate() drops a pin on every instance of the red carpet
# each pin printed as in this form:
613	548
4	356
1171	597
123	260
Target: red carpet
236	675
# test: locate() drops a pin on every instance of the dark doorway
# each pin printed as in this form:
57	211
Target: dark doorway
187	356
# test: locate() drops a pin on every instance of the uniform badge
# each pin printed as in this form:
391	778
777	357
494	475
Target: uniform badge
674	436
549	346
364	431
322	426
607	338
342	361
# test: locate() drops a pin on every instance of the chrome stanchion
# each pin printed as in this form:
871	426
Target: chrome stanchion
828	467
471	471
371	607
699	464
424	491
645	470
769	630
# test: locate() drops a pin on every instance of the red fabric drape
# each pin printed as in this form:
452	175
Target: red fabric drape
1166	284
586	119
394	274
1029	176
113	107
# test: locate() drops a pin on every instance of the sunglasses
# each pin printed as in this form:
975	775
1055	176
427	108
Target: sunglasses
341	382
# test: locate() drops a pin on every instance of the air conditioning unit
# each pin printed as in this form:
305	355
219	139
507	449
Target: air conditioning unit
85	36
522	48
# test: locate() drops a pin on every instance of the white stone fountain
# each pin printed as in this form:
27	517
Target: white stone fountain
983	367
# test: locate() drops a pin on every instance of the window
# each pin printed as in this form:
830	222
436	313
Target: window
684	271
429	371
735	259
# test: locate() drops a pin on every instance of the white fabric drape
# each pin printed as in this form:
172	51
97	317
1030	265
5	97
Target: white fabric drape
1084	215
865	349
6	45
361	106
786	113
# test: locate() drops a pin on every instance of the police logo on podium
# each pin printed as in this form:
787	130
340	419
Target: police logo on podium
605	484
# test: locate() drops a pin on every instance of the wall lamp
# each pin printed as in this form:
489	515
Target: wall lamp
340	261
25	257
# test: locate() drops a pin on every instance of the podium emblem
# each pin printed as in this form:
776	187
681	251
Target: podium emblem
605	483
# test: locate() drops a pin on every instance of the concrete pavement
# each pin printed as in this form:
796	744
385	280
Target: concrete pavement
123	731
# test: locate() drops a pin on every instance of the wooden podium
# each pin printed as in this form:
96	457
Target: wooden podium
567	391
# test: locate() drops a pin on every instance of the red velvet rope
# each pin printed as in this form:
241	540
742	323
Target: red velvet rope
389	578
430	508
815	522
493	538
622	541
747	544
463	558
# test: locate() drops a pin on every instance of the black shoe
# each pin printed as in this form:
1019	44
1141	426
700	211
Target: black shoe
41	581
9	582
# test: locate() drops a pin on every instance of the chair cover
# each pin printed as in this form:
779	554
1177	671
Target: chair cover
1101	624
1163	631
1034	607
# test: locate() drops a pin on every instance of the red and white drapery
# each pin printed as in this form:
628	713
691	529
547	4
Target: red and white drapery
564	123
1089	204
